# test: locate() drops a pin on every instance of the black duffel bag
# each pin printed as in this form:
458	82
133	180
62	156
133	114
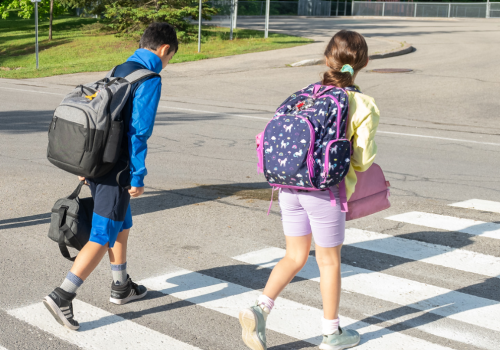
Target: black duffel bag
71	222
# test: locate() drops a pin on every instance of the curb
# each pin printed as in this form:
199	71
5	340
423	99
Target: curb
406	49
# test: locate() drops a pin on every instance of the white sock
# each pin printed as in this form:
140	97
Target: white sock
266	304
330	326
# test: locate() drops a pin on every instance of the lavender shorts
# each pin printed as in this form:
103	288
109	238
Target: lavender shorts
306	212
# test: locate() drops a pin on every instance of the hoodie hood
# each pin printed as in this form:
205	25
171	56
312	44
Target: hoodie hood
148	59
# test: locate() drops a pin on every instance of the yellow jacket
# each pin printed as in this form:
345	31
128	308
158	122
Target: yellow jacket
363	122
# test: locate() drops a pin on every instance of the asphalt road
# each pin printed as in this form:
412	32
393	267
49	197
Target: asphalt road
421	275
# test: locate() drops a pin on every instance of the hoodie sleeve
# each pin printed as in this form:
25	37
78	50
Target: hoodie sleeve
365	121
146	100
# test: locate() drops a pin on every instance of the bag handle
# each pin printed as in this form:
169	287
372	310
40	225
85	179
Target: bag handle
316	89
76	192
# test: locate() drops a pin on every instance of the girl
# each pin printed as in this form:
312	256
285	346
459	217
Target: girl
306	214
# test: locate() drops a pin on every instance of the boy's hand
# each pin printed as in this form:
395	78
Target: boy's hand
81	178
136	191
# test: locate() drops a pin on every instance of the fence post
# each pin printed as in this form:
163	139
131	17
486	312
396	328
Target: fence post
488	9
383	9
337	9
352	8
415	14
345	8
449	10
231	15
199	27
266	32
235	13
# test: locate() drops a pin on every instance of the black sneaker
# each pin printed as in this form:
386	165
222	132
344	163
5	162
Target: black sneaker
60	305
122	294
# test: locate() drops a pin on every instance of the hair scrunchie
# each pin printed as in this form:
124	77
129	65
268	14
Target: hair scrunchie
347	68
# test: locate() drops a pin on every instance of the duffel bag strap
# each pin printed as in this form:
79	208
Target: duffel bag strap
64	231
75	193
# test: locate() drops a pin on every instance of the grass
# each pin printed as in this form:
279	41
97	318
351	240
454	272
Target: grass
78	47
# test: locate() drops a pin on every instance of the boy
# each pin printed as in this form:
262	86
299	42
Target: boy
112	218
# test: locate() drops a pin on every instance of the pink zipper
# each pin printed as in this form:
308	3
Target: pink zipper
326	166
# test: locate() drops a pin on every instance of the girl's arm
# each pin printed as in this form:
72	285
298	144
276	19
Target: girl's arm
365	121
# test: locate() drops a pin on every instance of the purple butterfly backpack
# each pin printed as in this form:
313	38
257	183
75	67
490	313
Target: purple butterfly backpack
305	145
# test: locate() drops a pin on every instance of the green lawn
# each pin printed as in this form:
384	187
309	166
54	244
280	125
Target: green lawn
75	48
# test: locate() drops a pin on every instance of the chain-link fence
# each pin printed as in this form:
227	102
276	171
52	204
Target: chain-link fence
495	9
359	8
425	9
285	8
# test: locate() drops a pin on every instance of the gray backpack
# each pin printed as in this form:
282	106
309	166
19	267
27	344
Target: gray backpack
87	129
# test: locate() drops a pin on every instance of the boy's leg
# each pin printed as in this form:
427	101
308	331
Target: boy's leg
123	289
118	253
88	259
60	301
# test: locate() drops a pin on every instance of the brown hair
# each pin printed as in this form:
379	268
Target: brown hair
346	47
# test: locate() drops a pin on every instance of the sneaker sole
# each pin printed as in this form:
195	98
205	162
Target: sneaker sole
340	347
58	314
128	299
248	322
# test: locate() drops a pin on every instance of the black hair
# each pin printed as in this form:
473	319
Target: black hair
158	34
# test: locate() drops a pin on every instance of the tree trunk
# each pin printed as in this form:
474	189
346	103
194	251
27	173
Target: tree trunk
50	19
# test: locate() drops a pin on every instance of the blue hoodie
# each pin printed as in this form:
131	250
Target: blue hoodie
145	105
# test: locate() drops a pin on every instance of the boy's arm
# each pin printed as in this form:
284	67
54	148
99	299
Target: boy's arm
146	100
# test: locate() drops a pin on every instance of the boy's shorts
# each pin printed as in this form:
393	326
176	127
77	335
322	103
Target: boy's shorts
112	212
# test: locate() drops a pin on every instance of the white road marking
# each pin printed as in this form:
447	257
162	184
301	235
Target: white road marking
479	204
288	317
435	254
440	301
450	223
34	91
99	329
263	118
211	112
438	138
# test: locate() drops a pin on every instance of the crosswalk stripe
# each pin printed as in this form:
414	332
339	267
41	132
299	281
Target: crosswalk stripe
450	223
479	204
288	317
2	348
440	301
435	254
99	329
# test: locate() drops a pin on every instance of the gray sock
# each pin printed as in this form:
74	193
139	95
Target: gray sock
71	283
119	273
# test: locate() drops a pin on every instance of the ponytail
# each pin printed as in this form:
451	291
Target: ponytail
346	54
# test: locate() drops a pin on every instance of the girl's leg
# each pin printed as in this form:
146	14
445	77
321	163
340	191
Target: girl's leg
329	267
297	252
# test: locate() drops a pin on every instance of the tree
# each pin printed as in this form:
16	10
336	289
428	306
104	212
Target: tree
26	9
128	16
